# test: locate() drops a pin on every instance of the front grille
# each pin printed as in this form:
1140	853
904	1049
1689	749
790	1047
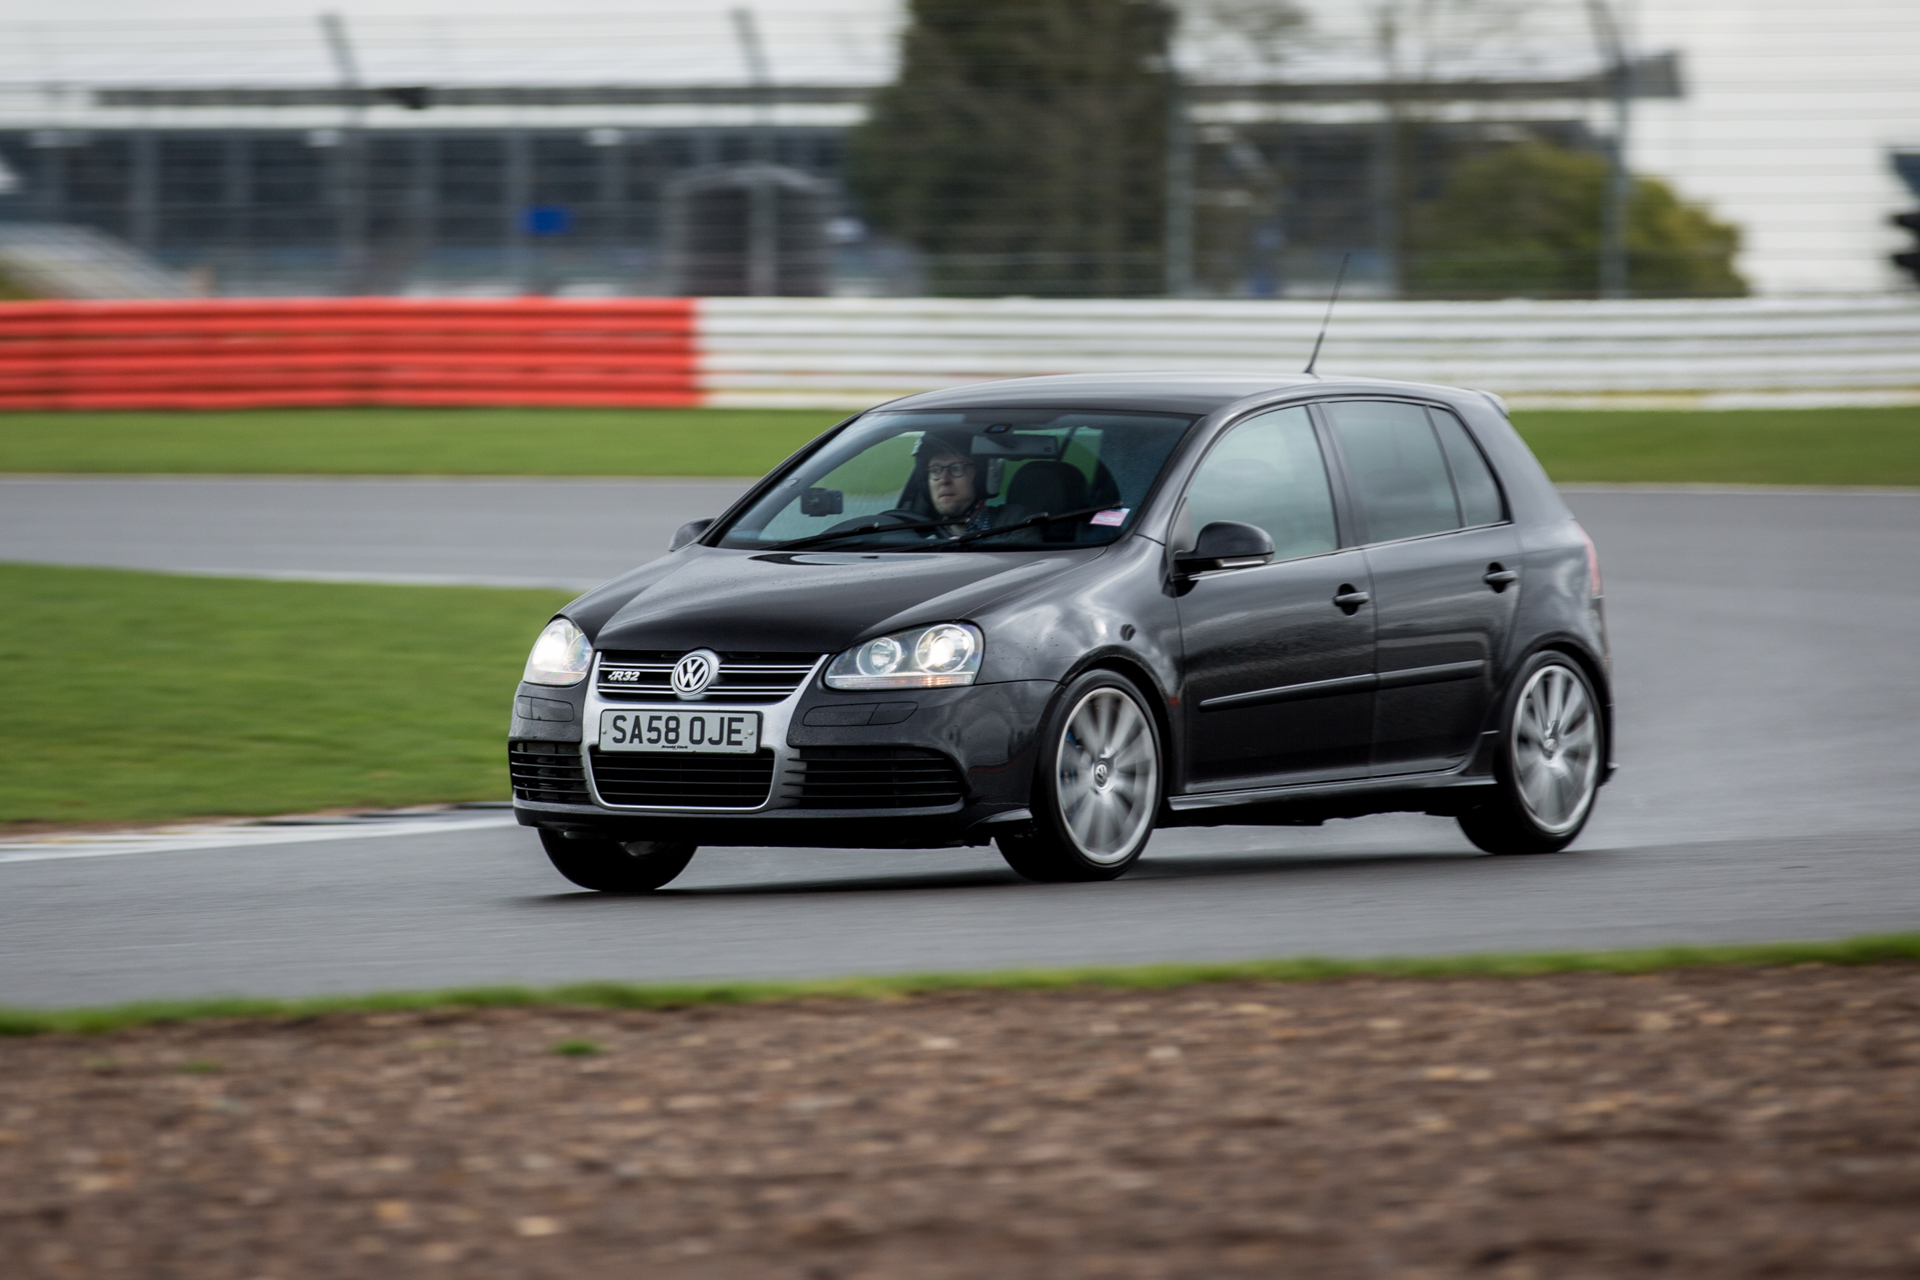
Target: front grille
877	778
647	676
548	772
682	781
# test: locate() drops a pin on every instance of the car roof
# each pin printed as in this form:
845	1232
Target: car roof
1196	393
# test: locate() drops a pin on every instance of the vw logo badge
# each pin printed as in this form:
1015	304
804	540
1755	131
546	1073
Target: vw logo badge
693	673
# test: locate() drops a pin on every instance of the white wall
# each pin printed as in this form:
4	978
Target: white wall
1792	109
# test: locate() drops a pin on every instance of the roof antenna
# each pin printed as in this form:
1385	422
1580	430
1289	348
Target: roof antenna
1337	282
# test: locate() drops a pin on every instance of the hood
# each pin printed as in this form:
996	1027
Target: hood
804	601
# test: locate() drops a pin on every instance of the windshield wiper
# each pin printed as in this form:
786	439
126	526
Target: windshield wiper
876	527
1045	517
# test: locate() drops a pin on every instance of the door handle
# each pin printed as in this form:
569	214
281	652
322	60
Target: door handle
1499	578
1350	600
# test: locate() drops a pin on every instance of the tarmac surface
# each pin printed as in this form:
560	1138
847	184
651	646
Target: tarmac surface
1770	784
485	532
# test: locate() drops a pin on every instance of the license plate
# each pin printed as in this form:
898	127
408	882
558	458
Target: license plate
705	732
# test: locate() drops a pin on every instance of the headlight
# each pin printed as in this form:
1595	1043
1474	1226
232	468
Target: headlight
947	653
560	656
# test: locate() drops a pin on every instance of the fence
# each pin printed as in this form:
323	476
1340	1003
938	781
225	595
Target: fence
854	352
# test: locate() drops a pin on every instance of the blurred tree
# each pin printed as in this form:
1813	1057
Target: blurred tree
1270	30
1525	220
1022	147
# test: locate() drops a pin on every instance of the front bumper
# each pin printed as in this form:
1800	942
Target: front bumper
987	732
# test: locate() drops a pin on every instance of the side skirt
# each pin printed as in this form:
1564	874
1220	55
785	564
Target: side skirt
1444	794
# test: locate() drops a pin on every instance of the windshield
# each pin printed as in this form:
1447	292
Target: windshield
964	480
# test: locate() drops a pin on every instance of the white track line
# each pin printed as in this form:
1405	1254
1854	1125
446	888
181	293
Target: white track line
114	844
1689	490
370	577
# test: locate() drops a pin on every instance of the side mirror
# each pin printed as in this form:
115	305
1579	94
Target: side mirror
688	532
1225	544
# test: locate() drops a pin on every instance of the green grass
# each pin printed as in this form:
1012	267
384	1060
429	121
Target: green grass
1737	446
138	696
1884	949
1732	446
525	442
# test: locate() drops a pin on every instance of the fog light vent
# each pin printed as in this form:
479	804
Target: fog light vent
878	778
547	772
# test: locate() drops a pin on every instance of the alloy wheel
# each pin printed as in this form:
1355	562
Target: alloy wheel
1109	776
1556	748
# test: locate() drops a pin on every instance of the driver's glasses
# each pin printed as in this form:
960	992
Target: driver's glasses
949	471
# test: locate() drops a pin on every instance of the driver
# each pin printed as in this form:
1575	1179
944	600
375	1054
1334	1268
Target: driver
953	485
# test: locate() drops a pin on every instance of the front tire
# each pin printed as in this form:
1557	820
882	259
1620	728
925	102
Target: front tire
1552	747
1096	789
609	866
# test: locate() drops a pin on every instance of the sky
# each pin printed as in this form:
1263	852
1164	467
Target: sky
1790	113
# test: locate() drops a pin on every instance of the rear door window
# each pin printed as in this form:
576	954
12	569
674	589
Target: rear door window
1267	471
1399	473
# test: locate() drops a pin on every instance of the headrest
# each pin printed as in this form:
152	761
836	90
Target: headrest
1047	486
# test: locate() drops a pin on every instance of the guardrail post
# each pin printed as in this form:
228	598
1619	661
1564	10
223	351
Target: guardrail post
1179	197
518	188
143	191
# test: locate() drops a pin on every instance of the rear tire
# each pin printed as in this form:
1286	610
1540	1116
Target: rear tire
1096	788
609	866
1547	771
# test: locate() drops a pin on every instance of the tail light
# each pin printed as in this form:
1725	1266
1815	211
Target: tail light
1593	562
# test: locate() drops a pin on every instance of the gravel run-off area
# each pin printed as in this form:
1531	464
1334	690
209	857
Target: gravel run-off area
1712	1122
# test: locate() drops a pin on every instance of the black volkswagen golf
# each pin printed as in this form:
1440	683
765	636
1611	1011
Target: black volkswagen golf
1057	613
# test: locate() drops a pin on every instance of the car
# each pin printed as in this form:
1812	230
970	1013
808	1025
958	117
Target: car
1056	614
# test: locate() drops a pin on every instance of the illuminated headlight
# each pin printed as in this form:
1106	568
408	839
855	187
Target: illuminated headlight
947	653
560	656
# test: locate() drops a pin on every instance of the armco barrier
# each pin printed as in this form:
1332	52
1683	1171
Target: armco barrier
852	352
229	354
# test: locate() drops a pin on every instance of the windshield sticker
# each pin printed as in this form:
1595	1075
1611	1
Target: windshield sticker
1114	518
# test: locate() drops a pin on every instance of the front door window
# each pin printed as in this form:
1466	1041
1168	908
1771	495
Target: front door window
1268	472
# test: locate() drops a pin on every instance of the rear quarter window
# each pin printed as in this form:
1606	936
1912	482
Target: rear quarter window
1479	494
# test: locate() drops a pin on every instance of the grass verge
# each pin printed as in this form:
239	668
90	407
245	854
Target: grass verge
1758	446
140	696
1878	949
451	442
1734	446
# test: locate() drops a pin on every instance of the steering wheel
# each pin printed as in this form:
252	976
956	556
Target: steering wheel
898	513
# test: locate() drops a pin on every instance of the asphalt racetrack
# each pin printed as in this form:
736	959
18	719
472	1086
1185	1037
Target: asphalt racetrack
490	533
1765	648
